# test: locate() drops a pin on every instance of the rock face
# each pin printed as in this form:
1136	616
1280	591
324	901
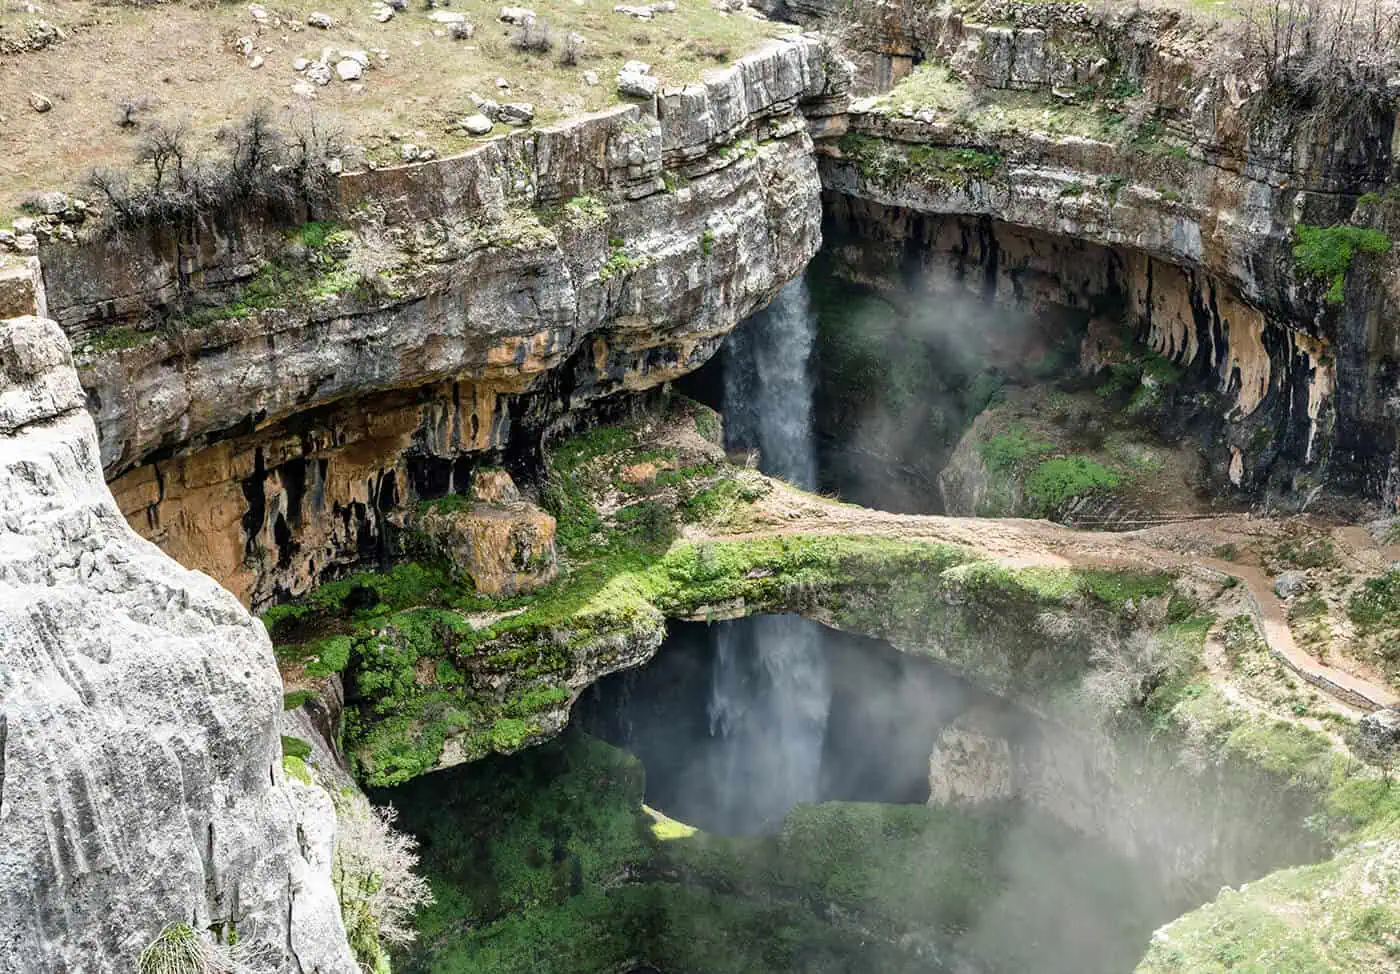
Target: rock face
502	289
501	544
140	776
1190	225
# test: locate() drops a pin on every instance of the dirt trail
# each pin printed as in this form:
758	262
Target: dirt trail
1024	543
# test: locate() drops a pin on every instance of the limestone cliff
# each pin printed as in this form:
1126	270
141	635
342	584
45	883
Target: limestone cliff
140	770
1135	160
265	395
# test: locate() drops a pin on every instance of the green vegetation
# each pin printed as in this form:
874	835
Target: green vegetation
297	699
621	263
419	674
547	862
1326	253
292	280
884	161
178	950
1305	551
1377	605
295	747
1012	450
1058	480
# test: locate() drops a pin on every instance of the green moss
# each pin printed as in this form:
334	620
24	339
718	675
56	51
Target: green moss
295	747
1326	253
1058	480
297	699
886	162
295	768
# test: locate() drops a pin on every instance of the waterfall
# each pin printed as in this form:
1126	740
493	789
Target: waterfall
770	695
768	387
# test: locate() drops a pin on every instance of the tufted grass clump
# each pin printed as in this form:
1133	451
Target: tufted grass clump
1327	252
180	949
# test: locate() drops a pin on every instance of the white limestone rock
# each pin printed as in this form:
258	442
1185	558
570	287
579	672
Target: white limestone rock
138	707
636	80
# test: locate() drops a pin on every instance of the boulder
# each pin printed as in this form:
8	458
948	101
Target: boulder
502	548
460	31
636	80
349	70
447	17
517	113
383	14
517	15
1380	733
1290	584
40	103
477	124
635	12
318	19
319	72
494	487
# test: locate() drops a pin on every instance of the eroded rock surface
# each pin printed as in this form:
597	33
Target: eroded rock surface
140	782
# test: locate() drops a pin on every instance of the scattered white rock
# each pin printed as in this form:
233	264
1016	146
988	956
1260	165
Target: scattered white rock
259	12
635	79
40	103
517	113
335	166
477	124
7	238
256	61
487	107
300	64
517	15
27	243
320	73
383	14
360	57
502	83
664	7
245	46
447	17
349	69
25	224
304	89
460	31
318	19
637	13
51	203
590	78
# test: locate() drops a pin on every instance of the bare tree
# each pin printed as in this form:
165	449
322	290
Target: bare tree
373	873
1334	50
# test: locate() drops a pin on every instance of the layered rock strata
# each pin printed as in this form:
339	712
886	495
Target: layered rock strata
140	774
1183	174
462	306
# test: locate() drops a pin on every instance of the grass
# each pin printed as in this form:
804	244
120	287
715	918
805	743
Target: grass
1326	253
145	53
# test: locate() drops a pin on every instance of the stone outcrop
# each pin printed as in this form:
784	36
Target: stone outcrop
140	773
502	546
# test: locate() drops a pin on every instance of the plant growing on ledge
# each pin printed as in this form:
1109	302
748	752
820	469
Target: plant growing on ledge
1327	252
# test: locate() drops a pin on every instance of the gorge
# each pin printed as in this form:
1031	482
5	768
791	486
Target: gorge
921	496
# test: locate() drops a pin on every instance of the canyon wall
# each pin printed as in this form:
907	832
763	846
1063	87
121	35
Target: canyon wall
459	308
1151	161
140	767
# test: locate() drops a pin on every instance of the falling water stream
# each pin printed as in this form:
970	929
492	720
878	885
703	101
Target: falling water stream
770	693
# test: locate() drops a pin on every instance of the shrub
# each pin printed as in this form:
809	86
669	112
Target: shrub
373	873
1327	252
1006	451
261	169
572	51
532	37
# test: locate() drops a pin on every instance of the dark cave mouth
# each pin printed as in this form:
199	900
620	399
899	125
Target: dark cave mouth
738	721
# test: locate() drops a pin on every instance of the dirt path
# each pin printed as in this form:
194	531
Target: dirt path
1023	543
